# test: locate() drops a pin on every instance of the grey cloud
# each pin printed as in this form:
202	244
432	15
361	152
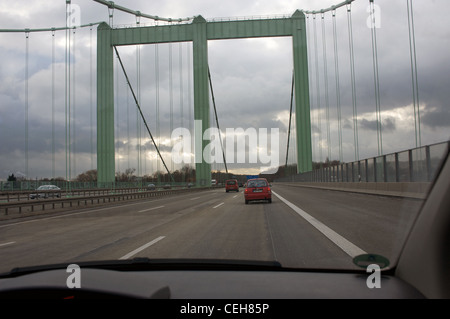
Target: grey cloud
388	124
435	118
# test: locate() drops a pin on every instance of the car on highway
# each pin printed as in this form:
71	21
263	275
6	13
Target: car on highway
257	189
231	185
151	187
46	191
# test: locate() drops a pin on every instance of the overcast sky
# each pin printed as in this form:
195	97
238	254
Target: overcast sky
251	81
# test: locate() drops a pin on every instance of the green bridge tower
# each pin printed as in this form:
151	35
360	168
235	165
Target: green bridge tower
199	32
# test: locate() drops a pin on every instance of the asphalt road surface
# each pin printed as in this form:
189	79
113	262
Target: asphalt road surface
301	228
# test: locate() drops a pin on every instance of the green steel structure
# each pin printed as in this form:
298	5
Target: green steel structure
199	31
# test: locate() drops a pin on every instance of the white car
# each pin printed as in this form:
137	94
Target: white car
49	190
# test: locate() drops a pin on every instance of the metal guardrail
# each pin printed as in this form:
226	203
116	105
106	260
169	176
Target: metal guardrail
97	199
411	190
21	195
415	165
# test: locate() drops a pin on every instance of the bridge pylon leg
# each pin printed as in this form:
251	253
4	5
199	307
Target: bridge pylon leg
201	101
301	87
105	107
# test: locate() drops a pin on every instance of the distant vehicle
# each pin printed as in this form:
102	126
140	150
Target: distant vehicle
49	190
189	185
231	185
213	182
167	186
257	189
151	187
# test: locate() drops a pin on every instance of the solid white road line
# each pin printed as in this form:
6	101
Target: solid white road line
9	243
351	249
134	252
219	205
146	210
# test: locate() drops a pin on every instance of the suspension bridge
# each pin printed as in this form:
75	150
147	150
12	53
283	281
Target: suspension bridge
116	93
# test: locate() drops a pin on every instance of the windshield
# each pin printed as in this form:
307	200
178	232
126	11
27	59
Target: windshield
341	116
256	183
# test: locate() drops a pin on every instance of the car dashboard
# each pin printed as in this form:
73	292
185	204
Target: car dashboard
200	280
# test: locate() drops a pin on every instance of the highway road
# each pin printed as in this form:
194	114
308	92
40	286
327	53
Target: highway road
301	228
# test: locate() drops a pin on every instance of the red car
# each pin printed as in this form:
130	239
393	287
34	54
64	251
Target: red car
231	185
258	189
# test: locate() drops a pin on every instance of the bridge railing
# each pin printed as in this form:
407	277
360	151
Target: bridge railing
31	185
414	165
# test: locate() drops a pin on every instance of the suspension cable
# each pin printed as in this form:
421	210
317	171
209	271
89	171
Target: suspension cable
111	15
332	8
310	77
116	93
128	127
316	58
338	93
68	100
138	88
180	63
111	4
217	121
49	29
171	96
189	97
69	107
140	112
74	140
352	74
27	44
325	76
373	27
158	131
116	104
65	91
415	85
290	119
53	104
91	97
